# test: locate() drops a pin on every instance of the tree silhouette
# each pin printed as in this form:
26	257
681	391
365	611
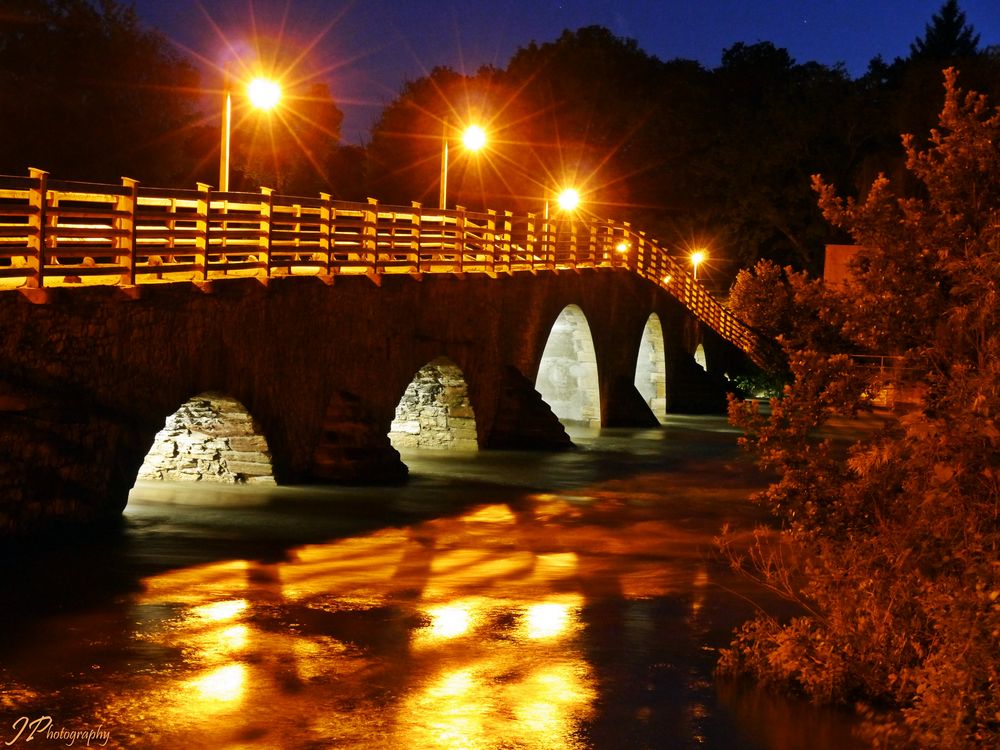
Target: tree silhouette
88	93
294	149
947	36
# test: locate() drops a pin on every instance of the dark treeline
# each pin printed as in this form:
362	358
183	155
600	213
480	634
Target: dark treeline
710	157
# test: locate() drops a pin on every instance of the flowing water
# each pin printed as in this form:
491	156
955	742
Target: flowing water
500	600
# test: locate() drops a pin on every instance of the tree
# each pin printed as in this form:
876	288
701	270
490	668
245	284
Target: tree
582	110
87	93
946	37
406	146
295	148
774	123
903	97
591	105
891	546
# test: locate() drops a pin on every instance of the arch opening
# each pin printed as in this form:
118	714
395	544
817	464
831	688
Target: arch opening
651	368
435	411
210	438
700	358
567	374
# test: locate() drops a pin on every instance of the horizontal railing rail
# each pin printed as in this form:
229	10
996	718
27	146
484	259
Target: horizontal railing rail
59	232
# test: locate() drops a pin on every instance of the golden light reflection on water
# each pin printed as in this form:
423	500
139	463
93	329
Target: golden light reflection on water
546	620
472	624
450	620
223	684
216	611
497	697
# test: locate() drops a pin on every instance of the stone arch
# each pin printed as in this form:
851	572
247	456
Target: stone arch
651	368
435	411
210	438
567	374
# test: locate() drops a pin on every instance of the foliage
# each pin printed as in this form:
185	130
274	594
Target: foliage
891	544
719	158
404	156
294	149
947	36
87	93
773	124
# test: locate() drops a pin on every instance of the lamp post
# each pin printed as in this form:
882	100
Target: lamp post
697	257
473	138
264	94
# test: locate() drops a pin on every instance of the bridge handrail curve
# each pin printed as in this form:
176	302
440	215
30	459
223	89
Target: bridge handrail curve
57	232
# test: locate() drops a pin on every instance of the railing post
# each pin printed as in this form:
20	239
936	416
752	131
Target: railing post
297	239
37	221
325	233
609	251
201	238
592	244
531	240
505	240
630	253
415	232
491	239
574	248
125	226
266	230
642	257
460	237
369	236
548	243
551	238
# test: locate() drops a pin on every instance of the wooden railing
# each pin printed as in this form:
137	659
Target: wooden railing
57	232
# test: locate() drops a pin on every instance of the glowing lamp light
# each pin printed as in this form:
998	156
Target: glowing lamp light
667	279
697	257
474	138
622	247
264	93
569	199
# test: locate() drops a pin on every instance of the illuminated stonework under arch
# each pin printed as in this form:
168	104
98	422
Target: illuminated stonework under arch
567	375
210	438
699	357
651	368
435	411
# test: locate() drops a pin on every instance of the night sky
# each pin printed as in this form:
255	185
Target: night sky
366	49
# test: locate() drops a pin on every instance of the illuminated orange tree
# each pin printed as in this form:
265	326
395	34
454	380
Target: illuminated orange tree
891	546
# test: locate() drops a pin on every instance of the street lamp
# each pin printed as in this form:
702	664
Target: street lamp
697	257
474	139
264	94
567	200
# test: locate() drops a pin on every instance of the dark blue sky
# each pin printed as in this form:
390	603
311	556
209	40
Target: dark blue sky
366	49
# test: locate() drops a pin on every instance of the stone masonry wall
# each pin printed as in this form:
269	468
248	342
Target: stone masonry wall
211	438
435	411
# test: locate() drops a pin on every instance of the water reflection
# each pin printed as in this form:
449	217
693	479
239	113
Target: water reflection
567	621
222	684
486	637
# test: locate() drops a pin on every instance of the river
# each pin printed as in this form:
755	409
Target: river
500	600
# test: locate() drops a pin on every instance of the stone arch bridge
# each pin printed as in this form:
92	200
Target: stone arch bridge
120	305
